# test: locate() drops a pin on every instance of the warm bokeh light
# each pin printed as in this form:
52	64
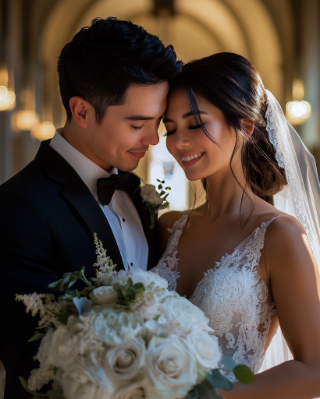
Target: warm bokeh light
7	99
298	89
25	120
43	131
297	112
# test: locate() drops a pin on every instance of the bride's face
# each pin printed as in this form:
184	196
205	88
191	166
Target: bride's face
199	156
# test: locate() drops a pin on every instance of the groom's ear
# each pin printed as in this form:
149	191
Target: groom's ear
80	110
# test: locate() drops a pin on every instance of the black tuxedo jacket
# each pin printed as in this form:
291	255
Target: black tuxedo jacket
47	220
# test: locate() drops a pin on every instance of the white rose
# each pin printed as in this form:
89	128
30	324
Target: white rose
103	296
142	276
114	326
181	314
64	348
170	366
124	361
77	384
135	390
44	349
149	194
205	348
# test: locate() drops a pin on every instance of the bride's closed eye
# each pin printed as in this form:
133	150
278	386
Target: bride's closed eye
195	127
190	128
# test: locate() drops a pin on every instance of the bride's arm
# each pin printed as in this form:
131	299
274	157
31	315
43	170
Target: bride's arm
295	289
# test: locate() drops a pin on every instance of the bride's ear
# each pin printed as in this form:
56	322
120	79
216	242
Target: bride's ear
247	126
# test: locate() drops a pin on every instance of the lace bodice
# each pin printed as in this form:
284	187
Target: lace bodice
232	295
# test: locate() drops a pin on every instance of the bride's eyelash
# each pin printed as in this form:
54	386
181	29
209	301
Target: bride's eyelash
195	127
190	128
169	133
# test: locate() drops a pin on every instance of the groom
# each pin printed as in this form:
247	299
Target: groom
113	79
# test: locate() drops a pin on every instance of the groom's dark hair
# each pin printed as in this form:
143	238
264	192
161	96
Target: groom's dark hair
104	59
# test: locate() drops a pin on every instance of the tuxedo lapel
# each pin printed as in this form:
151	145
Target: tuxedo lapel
76	193
151	234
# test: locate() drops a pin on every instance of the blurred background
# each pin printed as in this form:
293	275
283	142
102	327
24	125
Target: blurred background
280	37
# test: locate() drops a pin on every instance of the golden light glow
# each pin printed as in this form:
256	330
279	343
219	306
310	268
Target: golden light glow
43	131
25	120
297	112
298	89
7	99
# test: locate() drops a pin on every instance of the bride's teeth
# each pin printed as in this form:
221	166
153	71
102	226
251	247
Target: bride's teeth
191	157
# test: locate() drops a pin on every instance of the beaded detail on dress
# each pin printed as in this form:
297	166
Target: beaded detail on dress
232	295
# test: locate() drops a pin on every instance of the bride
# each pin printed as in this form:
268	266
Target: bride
249	265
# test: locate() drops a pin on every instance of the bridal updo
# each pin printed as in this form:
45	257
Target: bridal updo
232	84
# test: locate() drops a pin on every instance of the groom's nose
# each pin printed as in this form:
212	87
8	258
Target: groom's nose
151	137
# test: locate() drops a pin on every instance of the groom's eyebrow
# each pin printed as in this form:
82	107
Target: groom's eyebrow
139	118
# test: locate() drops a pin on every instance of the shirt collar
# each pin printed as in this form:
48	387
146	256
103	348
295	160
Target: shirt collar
86	169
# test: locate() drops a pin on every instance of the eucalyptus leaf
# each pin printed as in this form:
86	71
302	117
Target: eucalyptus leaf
25	386
36	336
139	286
243	374
217	380
56	285
229	363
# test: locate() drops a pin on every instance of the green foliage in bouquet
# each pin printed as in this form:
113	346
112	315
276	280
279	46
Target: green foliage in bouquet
127	293
208	389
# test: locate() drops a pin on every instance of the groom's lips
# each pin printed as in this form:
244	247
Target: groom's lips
138	154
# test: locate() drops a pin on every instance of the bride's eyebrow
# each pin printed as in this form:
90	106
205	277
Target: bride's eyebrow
190	113
186	115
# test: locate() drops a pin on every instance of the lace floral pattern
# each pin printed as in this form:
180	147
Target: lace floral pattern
168	264
231	295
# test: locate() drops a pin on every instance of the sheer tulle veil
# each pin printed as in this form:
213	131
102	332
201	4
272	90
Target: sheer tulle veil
300	198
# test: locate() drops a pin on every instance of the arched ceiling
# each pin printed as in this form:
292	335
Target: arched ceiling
199	28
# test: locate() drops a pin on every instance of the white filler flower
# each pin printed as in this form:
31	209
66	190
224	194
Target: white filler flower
114	326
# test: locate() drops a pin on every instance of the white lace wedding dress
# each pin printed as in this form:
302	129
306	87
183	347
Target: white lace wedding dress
232	295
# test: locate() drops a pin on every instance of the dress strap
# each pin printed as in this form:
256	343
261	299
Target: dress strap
254	244
176	232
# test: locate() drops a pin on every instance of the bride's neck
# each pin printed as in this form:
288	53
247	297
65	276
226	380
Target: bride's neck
224	194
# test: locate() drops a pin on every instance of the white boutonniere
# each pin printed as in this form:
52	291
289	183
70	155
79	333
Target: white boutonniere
154	200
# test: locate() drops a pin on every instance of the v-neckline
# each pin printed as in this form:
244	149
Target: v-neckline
227	255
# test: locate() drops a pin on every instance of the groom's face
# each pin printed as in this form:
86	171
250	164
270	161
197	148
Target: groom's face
126	131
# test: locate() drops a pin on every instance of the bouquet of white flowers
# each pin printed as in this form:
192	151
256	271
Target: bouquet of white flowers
125	336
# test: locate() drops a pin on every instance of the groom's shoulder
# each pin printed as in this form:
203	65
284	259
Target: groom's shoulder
27	183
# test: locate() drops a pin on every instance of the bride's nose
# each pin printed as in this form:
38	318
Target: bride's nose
181	140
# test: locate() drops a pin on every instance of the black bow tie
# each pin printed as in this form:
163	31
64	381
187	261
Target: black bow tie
123	181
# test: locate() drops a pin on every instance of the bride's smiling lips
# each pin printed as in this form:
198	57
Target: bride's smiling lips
190	158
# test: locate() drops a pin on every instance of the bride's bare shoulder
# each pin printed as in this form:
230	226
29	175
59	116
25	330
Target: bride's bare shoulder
167	220
286	244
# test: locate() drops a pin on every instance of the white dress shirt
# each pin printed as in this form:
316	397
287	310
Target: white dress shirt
121	213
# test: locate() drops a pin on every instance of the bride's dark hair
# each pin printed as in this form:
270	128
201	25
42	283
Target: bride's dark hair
232	84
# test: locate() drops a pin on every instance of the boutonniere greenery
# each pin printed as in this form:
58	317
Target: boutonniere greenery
154	200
